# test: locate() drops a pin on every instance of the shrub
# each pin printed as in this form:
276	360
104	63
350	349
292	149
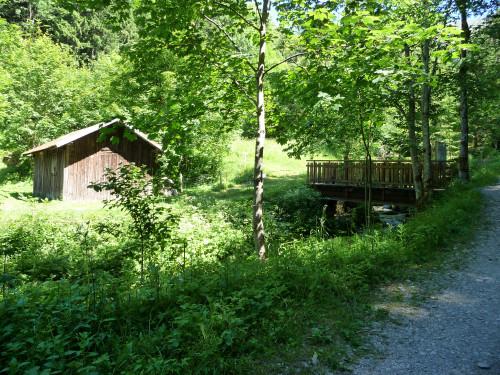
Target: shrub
298	212
139	195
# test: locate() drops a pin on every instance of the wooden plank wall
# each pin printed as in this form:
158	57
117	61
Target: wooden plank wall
48	174
87	159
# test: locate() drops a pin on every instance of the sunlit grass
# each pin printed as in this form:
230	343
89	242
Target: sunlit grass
282	171
277	162
16	200
313	297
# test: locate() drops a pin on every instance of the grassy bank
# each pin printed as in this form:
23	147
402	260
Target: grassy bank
73	302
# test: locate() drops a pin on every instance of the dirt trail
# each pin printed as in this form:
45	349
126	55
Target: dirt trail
457	331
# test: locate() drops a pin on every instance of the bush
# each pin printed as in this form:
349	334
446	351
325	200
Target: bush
299	210
40	249
244	177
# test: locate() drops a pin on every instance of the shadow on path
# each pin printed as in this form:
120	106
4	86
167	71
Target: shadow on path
457	331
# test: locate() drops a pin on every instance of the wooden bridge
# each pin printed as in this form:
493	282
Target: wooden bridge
392	181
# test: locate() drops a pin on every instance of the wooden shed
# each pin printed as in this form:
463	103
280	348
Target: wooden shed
64	167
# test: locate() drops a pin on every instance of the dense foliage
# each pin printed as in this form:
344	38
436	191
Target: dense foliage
161	283
43	91
89	32
78	304
485	93
184	75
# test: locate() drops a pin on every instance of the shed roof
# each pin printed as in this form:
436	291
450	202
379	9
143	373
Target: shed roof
73	136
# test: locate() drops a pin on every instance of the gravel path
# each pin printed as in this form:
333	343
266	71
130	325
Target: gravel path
457	331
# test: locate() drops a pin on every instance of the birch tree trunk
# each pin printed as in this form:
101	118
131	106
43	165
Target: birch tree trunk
426	102
463	159
258	209
417	179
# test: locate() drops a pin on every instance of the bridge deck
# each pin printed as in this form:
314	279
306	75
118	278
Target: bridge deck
392	181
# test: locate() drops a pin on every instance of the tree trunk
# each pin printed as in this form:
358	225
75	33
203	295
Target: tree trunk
415	164
368	163
463	159
426	102
258	221
30	12
181	183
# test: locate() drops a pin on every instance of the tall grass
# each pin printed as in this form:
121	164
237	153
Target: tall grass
277	163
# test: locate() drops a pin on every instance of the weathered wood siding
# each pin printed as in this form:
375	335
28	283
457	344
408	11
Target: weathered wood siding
87	159
48	174
66	172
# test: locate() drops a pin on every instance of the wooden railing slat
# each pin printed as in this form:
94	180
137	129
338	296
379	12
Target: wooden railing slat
396	174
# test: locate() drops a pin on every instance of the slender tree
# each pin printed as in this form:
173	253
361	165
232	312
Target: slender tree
463	165
258	202
223	43
426	103
412	138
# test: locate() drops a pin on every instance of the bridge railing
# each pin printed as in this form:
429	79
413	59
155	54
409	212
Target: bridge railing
396	174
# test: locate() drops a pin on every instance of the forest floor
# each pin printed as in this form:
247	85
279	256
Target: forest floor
449	321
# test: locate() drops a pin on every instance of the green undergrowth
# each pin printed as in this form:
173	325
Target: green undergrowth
238	164
74	303
486	172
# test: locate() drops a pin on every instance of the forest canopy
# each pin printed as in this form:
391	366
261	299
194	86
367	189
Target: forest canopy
173	73
226	254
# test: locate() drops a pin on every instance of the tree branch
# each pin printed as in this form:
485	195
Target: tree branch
244	92
221	29
249	23
257	7
238	85
284	61
231	40
445	21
